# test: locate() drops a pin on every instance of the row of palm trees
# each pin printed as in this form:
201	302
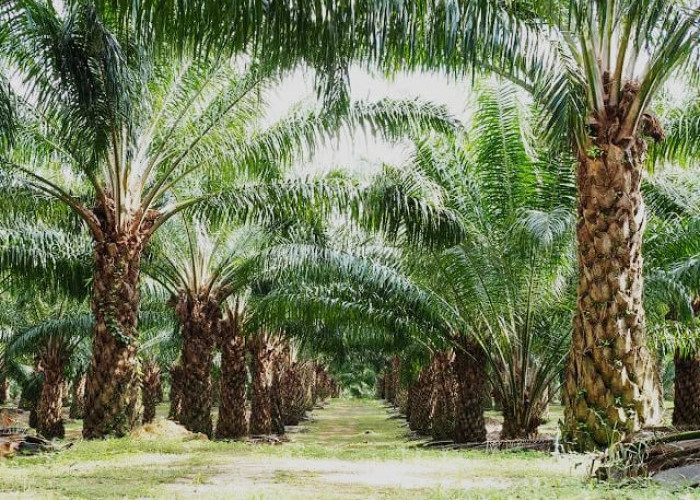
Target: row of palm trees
116	131
489	311
97	117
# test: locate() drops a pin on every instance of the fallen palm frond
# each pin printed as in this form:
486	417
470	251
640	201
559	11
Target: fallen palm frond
544	444
15	440
647	457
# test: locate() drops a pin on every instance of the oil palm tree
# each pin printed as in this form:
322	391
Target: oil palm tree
200	268
671	294
52	334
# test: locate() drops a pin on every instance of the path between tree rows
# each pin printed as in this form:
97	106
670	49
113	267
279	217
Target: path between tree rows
350	449
365	452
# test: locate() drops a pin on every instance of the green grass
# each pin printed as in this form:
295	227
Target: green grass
353	449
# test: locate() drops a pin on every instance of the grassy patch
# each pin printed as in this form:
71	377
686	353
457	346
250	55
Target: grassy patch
354	449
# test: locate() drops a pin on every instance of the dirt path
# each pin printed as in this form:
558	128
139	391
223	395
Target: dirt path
357	449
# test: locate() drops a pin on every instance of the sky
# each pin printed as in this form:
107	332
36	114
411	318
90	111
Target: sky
359	153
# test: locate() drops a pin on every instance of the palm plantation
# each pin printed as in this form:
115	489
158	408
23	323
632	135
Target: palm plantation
189	254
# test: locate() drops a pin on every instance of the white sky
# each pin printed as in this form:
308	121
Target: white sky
361	153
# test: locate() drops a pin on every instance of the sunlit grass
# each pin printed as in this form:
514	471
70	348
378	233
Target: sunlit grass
354	449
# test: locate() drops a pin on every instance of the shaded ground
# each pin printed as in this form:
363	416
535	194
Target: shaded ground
353	449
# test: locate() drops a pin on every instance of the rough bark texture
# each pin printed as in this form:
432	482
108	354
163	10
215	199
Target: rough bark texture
49	419
232	422
443	409
381	394
324	386
276	367
260	411
391	386
175	392
402	401
293	395
200	318
150	390
4	391
470	387
612	388
77	400
686	402
308	377
420	414
111	402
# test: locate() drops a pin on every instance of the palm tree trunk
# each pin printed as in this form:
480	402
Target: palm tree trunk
4	390
111	391
470	386
395	379
686	402
151	389
411	401
175	396
232	422
200	326
421	411
390	384
308	381
380	385
49	419
293	395
77	401
443	408
276	366
260	411
323	385
612	387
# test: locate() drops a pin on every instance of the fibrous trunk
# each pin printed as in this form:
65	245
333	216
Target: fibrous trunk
470	387
686	402
443	410
175	392
381	394
151	390
112	401
48	412
293	395
323	383
308	377
612	388
391	380
199	317
232	422
276	367
421	409
77	401
260	411
4	390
